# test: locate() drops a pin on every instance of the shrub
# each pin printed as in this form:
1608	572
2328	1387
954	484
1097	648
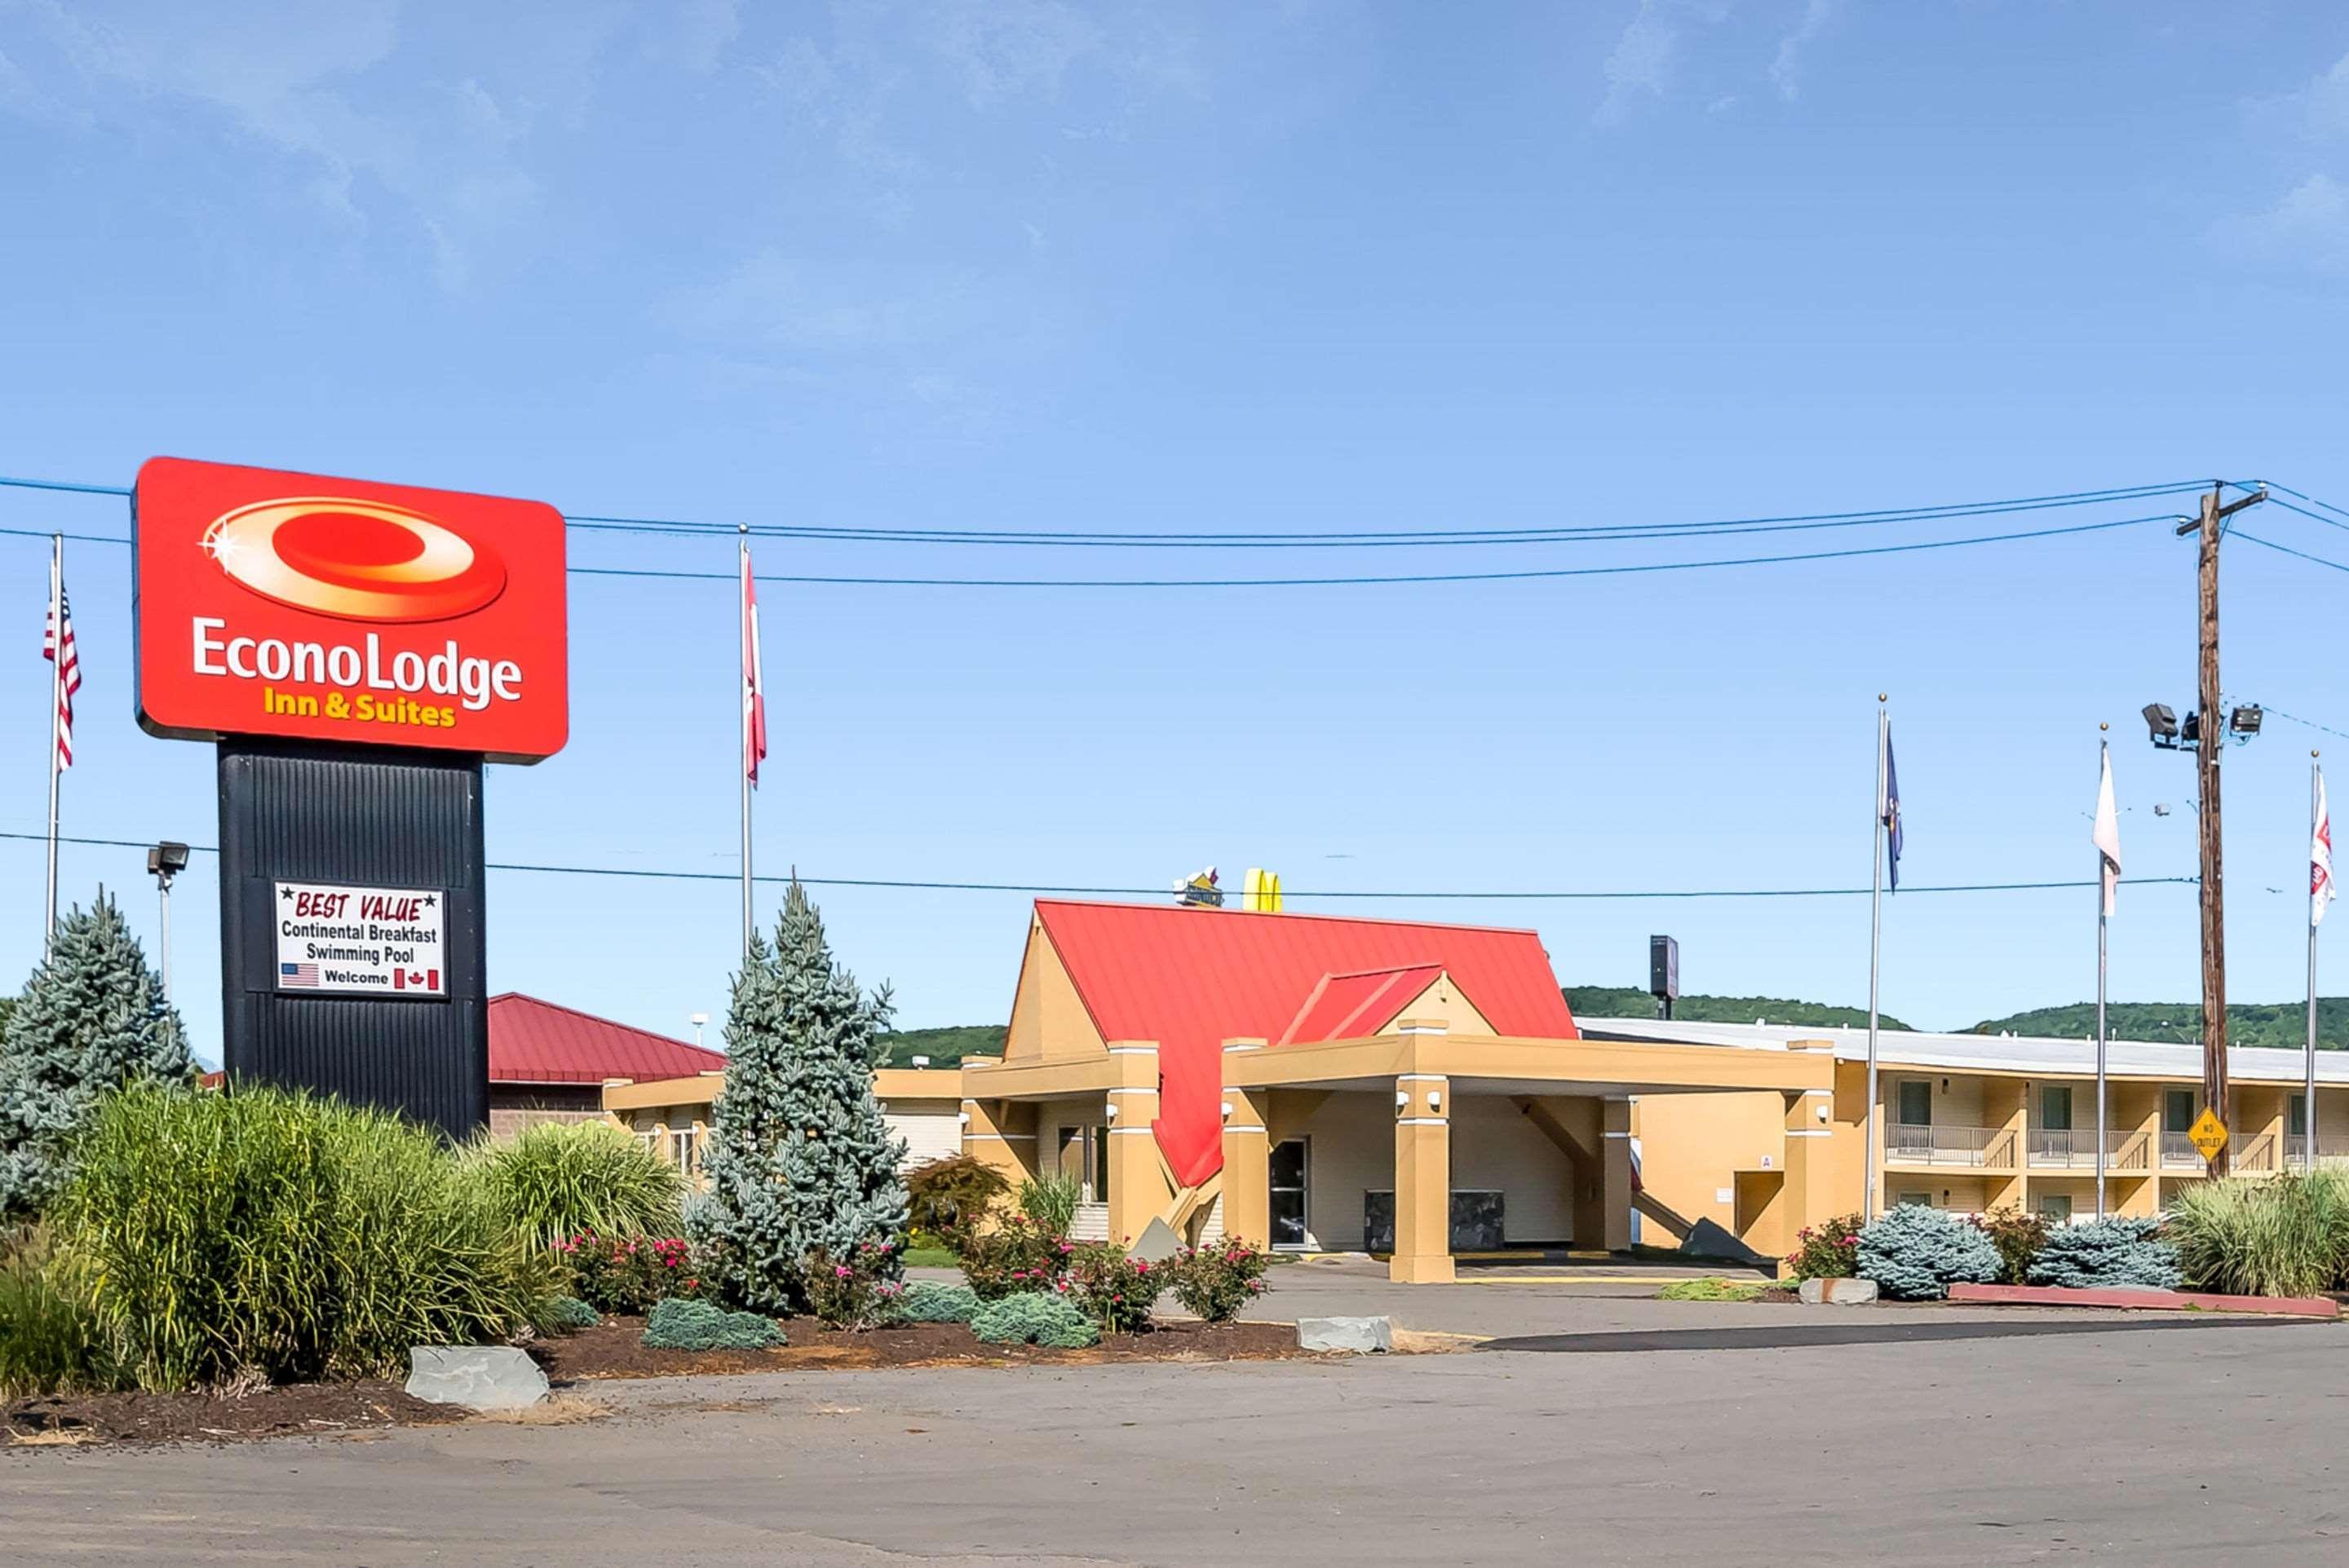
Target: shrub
1916	1254
1112	1287
2018	1237
2106	1253
683	1324
927	1301
262	1234
1014	1257
1711	1290
1827	1251
2287	1235
1035	1318
560	1179
855	1292
947	1198
49	1341
630	1274
1050	1202
570	1312
1214	1282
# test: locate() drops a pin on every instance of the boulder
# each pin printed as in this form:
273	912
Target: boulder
478	1377
1157	1243
1350	1335
1839	1292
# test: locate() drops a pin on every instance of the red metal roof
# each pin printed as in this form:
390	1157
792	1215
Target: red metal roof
532	1041
1192	978
1347	1006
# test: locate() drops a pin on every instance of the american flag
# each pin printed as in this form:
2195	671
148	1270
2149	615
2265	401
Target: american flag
57	647
754	685
297	974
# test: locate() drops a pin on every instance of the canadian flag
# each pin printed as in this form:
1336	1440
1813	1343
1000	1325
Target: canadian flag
2320	860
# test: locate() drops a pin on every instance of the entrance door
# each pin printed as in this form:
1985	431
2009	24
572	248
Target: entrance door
1291	1163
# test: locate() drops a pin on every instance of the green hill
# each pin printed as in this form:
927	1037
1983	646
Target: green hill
2282	1025
946	1047
1630	1002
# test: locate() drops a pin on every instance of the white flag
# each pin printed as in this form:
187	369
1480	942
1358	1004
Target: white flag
2107	835
2320	860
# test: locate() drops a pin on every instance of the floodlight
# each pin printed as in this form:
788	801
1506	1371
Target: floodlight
2245	720
2162	721
167	859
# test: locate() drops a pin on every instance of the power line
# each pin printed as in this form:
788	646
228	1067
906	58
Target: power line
2287	550
2304	723
1069	890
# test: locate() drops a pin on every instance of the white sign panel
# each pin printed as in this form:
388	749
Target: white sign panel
371	940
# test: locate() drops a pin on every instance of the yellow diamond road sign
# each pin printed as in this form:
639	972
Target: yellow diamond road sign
2208	1133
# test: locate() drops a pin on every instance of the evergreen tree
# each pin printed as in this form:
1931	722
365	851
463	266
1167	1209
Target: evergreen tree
798	1160
91	1018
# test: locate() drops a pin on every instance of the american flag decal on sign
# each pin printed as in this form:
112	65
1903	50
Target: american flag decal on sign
297	974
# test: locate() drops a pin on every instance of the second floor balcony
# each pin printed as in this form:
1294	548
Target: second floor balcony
1979	1148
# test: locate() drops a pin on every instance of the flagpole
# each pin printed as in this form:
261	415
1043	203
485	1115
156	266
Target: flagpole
743	751
2308	1114
1875	949
2105	757
57	706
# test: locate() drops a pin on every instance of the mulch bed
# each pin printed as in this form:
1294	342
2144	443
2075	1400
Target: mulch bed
616	1348
316	1409
612	1348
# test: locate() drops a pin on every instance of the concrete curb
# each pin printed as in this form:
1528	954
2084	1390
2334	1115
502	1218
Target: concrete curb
2156	1300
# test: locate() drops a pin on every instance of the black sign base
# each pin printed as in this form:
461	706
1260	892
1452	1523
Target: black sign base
367	817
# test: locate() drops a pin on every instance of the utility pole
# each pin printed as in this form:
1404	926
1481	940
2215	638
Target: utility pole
2212	734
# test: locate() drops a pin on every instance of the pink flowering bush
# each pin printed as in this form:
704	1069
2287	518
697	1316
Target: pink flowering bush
1113	1288
629	1275
855	1292
1217	1280
1015	1256
1829	1250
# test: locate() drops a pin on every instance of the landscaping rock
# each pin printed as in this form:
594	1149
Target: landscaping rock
1157	1243
1353	1336
1839	1292
477	1376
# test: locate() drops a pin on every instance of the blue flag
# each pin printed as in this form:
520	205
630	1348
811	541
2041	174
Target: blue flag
1889	810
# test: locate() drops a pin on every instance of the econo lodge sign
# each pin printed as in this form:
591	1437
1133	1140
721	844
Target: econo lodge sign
288	605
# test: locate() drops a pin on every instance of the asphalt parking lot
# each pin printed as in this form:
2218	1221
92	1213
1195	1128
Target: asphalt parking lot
1681	1433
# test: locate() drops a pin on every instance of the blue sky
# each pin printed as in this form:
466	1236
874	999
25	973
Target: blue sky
1304	266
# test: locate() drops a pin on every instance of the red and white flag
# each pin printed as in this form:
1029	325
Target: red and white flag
57	647
2320	859
754	685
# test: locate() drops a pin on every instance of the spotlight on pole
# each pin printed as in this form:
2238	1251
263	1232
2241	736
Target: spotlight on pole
2245	720
2162	720
164	861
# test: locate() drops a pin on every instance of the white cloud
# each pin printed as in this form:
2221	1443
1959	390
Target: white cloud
1645	61
2310	224
1787	68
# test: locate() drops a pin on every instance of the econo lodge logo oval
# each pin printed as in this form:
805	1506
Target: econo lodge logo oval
355	560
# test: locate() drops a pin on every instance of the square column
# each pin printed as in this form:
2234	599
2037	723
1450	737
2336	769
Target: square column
1423	1181
1248	1161
1615	1173
1138	1190
1808	1196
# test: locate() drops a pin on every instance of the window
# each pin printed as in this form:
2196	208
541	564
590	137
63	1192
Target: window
1084	1158
2055	1110
1922	1199
2178	1110
2055	1208
1914	1107
2299	1116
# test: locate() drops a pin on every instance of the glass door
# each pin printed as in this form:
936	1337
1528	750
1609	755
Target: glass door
1291	1163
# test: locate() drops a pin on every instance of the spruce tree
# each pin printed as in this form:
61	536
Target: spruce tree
92	1018
798	1158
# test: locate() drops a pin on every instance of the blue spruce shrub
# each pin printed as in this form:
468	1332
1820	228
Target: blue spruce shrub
1033	1317
2106	1253
927	1301
571	1312
1916	1254
682	1323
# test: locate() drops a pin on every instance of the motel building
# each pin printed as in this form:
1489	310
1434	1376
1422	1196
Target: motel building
1420	1091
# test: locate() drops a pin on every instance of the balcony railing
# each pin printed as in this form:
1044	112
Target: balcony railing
2074	1149
2254	1154
1906	1143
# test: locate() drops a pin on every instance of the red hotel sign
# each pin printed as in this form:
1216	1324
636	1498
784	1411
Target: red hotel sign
282	603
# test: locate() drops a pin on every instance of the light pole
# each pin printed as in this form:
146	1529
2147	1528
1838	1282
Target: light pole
166	861
696	1020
